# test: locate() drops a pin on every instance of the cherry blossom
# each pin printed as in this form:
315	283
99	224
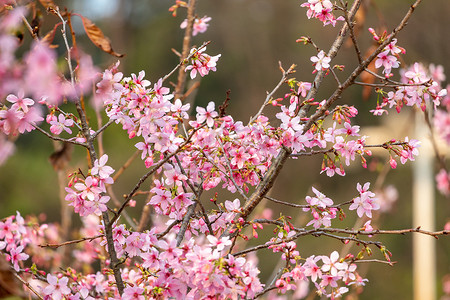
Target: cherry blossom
200	25
321	61
15	256
188	251
201	63
331	264
365	203
207	114
387	61
57	287
61	124
101	169
19	101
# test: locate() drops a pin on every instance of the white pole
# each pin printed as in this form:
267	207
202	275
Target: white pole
424	263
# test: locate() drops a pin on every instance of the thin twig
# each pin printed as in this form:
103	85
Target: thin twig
27	24
352	32
126	165
162	234
102	129
55	246
28	285
55	138
184	61
391	263
181	81
286	203
269	95
440	158
146	175
335	77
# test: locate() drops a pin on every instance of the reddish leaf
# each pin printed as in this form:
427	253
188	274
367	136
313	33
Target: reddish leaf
48	38
47	4
97	37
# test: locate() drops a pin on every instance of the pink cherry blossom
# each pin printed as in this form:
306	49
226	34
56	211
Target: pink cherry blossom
140	79
331	264
15	256
207	114
321	61
63	123
200	25
133	293
387	61
57	287
100	168
320	200
365	203
443	182
19	101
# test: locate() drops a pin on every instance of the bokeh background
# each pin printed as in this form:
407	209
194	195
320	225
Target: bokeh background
252	36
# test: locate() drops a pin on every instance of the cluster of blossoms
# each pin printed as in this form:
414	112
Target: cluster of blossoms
19	240
388	58
441	122
200	25
86	196
196	269
321	209
201	62
11	231
331	278
322	10
215	151
333	270
22	116
421	88
365	203
192	270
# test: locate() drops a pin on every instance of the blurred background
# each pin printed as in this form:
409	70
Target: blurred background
253	36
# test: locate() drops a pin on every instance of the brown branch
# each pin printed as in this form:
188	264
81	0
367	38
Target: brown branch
162	234
55	246
352	32
28	285
186	48
101	129
115	264
327	232
440	158
360	68
185	223
391	263
126	165
55	138
272	173
146	175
